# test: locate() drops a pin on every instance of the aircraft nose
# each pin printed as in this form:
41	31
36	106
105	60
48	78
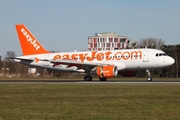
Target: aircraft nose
171	61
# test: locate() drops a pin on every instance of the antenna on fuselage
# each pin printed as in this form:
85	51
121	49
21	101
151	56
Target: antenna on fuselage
146	47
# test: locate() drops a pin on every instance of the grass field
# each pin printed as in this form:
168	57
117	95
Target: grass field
89	101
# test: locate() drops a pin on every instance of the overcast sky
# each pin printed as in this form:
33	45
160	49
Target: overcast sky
64	25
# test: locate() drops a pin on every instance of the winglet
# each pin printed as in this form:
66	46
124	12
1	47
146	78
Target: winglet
29	44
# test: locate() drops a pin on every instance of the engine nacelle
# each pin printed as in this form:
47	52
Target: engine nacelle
128	73
107	71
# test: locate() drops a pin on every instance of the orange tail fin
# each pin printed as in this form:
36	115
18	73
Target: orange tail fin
29	44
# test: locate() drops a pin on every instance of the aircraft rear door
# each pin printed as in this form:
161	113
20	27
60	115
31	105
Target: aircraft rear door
46	63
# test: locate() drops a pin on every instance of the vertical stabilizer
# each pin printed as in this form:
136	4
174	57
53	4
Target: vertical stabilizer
29	44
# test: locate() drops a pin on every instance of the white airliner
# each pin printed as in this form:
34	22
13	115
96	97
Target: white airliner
105	64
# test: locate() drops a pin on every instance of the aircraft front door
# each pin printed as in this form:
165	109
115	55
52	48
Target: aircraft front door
146	56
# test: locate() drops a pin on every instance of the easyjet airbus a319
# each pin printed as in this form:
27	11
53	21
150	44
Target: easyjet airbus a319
105	64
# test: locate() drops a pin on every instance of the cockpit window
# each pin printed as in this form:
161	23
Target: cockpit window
160	54
164	54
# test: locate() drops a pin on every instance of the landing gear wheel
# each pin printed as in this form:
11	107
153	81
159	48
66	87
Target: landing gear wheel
88	78
149	79
102	79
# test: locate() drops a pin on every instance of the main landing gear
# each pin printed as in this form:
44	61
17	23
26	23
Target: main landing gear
87	78
102	79
149	78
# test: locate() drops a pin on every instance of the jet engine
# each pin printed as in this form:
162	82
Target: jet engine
107	71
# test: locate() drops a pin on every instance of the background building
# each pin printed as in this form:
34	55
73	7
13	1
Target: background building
107	41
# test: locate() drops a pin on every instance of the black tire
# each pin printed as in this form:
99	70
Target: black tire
102	79
149	79
88	78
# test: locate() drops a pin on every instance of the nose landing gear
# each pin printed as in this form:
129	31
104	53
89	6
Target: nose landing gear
149	78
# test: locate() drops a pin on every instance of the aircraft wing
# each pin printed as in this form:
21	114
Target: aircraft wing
85	65
71	62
